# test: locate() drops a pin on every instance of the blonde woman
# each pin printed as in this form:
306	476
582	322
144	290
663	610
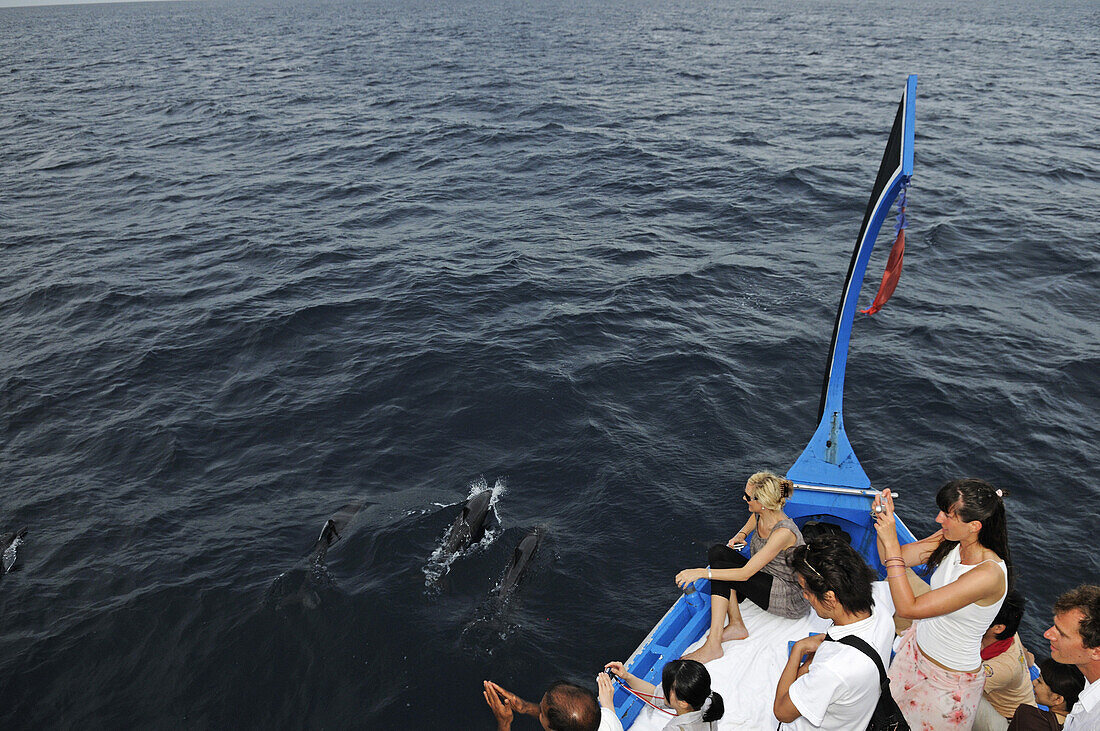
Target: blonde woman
765	579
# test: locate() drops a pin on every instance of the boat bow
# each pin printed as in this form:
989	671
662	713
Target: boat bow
828	459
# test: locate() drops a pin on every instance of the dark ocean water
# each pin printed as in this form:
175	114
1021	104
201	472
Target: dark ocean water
261	260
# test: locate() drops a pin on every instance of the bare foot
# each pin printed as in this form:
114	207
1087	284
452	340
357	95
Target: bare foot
706	653
734	632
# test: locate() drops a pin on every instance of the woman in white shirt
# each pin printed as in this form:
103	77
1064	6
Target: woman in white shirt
936	676
837	687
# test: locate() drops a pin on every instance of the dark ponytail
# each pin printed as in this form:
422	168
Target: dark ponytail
974	499
691	682
717	707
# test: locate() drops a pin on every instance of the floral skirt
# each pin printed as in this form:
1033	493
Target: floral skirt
930	697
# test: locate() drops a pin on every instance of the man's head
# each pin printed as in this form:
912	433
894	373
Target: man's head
1075	636
569	707
1007	621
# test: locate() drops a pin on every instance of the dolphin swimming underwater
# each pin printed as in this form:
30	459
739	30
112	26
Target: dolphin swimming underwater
299	584
9	543
469	526
521	559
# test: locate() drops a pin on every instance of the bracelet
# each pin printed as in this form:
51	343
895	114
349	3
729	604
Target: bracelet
899	559
708	572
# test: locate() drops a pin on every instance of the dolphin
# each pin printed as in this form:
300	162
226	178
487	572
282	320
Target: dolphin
469	526
332	529
521	559
9	543
299	584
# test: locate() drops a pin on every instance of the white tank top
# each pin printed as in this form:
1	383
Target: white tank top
955	640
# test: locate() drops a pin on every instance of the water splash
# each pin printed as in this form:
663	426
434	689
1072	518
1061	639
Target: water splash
439	563
9	554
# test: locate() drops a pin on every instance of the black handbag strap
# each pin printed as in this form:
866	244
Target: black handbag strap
860	644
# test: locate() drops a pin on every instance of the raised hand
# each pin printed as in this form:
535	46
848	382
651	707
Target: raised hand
883	508
606	691
499	705
514	701
617	668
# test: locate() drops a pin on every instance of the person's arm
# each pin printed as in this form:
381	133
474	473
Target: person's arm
779	539
918	585
514	701
743	535
982	582
609	720
633	681
914	553
784	708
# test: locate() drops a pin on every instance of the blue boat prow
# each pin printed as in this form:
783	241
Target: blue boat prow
830	483
828	459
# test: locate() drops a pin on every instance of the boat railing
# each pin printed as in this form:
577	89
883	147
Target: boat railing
864	492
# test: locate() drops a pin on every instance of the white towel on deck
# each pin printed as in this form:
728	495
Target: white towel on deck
746	675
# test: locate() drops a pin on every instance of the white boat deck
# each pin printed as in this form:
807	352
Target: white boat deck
746	676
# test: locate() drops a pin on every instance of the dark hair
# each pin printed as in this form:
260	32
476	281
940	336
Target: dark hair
691	681
829	563
974	499
1085	598
817	528
569	707
1010	614
1066	680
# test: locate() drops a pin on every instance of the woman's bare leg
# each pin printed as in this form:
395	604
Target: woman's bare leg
736	629
712	646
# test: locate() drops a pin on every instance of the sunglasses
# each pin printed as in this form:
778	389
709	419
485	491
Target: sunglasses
747	498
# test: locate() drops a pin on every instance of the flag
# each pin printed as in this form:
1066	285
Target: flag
892	274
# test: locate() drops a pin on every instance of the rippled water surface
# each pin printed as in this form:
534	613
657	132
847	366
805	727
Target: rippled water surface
263	260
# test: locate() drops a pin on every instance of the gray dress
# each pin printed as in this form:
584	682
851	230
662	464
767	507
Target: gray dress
786	598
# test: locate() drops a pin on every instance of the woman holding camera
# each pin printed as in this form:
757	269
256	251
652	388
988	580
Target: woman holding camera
937	676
